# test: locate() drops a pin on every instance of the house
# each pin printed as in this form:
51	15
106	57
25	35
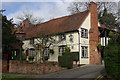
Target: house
81	32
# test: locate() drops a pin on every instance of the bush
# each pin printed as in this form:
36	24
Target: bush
75	56
30	58
67	58
112	58
24	57
46	57
65	61
16	58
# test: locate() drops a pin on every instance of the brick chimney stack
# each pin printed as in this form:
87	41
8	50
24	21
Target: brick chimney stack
94	15
94	34
26	22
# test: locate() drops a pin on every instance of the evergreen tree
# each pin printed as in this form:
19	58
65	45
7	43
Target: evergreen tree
8	37
108	19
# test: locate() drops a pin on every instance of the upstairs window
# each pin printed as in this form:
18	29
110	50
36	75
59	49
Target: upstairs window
71	37
62	37
32	41
84	51
84	33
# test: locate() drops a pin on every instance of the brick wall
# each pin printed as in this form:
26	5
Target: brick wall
4	65
28	68
95	56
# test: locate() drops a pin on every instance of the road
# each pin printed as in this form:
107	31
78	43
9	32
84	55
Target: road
90	71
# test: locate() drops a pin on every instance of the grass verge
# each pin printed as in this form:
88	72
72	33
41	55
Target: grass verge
5	77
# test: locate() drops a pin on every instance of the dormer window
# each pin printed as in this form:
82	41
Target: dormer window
84	33
62	37
32	41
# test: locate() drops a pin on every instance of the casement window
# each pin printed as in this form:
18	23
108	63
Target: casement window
32	41
62	37
84	33
84	52
103	42
46	51
61	49
71	37
31	52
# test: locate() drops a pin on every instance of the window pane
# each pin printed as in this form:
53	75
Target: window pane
86	52
82	53
32	41
64	37
86	33
46	51
82	33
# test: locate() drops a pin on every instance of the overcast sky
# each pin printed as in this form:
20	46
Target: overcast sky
46	9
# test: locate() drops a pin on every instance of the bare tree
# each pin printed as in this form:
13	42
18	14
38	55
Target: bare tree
42	42
76	7
29	15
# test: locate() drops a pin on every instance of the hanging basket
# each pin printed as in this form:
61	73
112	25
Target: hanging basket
51	51
99	46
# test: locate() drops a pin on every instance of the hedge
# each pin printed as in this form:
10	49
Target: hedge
112	59
67	58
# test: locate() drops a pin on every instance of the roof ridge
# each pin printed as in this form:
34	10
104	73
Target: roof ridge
57	25
63	17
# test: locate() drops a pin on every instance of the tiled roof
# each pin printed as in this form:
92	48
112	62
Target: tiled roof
15	46
58	25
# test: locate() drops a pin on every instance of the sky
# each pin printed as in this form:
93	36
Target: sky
46	9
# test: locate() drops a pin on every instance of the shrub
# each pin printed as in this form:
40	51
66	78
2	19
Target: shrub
16	58
46	57
112	58
30	58
24	57
67	58
65	61
75	56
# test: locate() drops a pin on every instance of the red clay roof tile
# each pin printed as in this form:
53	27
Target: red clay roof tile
58	25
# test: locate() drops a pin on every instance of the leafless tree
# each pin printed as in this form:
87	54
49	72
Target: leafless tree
44	41
76	7
29	15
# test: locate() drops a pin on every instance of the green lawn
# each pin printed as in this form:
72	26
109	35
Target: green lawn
4	77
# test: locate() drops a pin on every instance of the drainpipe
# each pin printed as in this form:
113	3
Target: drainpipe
79	47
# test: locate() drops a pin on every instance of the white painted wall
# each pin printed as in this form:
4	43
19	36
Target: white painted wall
85	41
54	57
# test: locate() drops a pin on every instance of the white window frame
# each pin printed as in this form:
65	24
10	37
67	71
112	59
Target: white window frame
46	51
62	37
31	52
84	33
61	49
84	51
